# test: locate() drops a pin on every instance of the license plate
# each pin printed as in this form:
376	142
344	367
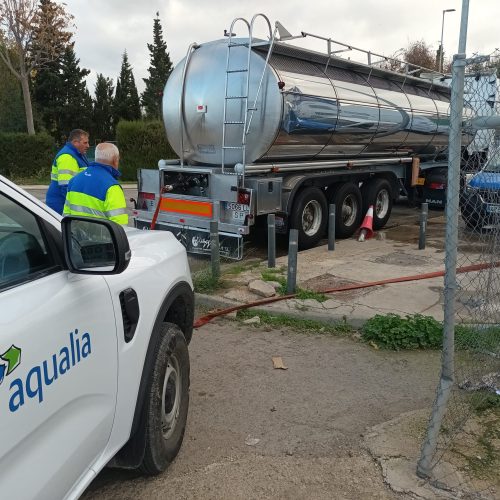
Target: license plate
420	181
237	211
493	209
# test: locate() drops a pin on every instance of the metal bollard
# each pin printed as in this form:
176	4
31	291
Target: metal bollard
331	228
214	246
293	246
271	240
424	212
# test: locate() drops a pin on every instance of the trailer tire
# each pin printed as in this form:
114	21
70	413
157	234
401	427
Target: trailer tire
378	192
309	216
348	209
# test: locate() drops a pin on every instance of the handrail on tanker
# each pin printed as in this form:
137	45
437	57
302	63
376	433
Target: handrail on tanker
368	53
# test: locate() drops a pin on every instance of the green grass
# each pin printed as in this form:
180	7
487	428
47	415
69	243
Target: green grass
301	293
297	324
204	282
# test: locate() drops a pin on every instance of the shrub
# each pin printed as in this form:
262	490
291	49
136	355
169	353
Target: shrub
141	144
412	332
24	156
424	332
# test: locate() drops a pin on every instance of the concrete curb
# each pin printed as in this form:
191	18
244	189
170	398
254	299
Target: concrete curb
280	308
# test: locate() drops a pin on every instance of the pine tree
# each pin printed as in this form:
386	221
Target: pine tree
74	108
102	115
159	70
126	105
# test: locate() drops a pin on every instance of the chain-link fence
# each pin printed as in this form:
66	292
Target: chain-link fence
461	453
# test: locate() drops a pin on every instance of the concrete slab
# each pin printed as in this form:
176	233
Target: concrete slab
353	262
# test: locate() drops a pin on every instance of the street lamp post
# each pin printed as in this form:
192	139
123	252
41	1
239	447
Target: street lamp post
441	46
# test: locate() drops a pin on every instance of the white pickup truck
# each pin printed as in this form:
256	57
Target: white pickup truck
95	320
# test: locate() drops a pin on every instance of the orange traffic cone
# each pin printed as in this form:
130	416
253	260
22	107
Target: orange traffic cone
366	229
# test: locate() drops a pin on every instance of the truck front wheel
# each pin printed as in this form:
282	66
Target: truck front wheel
167	400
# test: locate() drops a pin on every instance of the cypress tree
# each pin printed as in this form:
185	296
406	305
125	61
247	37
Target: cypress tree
74	108
159	70
102	113
126	105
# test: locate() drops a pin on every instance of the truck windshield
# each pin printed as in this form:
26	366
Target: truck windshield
494	164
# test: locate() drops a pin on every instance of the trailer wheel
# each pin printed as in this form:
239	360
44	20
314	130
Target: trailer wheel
348	209
378	192
309	216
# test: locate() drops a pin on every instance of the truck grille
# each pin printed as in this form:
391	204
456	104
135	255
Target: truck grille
489	196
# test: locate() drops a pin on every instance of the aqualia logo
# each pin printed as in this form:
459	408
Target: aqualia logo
40	376
9	361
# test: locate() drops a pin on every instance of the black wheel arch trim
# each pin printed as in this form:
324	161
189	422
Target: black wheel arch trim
131	456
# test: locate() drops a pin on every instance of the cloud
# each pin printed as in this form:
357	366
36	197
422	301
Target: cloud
106	29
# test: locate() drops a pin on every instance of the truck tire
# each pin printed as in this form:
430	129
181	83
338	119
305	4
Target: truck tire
378	192
167	400
473	213
348	209
309	216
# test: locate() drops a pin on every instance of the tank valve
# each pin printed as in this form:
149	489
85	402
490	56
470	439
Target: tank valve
281	85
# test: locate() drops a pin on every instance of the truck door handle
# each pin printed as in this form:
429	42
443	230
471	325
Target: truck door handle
130	312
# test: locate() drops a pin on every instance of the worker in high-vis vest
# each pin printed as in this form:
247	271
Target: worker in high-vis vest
96	191
69	161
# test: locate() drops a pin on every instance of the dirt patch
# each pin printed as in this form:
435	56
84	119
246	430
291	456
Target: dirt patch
327	281
308	419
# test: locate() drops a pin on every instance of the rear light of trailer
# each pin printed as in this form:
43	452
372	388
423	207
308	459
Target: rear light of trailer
437	185
244	197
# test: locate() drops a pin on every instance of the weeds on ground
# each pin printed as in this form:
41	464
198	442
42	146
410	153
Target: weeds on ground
301	293
297	324
204	282
416	331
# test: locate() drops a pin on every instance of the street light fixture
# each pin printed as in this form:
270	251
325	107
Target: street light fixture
441	46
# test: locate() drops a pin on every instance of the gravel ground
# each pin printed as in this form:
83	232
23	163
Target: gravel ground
308	419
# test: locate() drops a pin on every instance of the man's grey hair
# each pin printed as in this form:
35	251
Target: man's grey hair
106	152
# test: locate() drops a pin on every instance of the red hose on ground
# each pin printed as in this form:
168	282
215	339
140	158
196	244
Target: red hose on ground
436	274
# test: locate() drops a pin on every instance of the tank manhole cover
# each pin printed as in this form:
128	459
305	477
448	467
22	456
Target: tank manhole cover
400	259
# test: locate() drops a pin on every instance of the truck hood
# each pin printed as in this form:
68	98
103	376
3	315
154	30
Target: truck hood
485	180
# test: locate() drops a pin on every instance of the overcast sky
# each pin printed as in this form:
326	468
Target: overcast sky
105	28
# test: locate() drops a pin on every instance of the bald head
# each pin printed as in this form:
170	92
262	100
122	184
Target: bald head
107	153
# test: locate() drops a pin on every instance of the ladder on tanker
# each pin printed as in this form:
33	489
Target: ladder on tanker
244	119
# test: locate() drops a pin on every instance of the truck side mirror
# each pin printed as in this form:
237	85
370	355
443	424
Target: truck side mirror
94	246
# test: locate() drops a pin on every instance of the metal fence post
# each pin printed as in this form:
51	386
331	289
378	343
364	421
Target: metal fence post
214	246
271	240
446	381
424	212
331	227
293	245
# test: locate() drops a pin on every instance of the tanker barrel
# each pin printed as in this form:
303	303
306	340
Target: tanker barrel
485	122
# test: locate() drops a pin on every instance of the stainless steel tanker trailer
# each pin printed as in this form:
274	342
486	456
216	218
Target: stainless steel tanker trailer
266	127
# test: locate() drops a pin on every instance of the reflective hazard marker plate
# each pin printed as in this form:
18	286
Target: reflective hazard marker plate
188	207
